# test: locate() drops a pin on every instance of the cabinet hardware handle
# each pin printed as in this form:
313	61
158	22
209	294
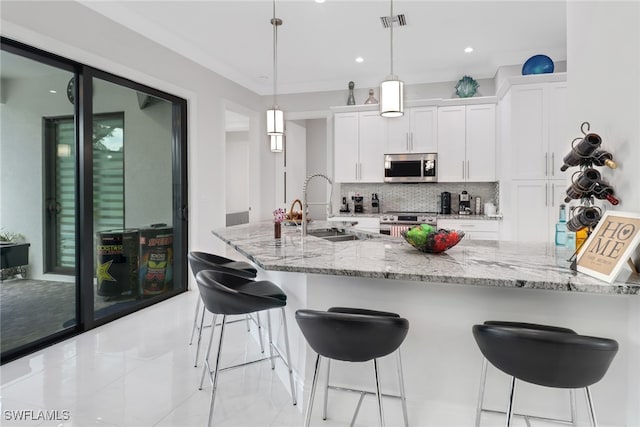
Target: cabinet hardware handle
463	169
553	194
411	139
553	164
356	171
407	140
468	169
546	164
546	194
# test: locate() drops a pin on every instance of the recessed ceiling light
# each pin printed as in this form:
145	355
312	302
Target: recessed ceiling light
359	59
53	91
468	49
320	1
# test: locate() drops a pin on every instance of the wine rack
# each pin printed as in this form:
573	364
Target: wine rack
587	183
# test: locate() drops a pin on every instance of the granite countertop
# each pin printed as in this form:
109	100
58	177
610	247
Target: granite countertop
438	216
471	262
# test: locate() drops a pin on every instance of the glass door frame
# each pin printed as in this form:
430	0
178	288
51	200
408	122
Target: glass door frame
83	114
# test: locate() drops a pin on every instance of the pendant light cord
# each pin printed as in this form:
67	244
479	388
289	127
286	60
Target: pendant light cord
391	28
274	22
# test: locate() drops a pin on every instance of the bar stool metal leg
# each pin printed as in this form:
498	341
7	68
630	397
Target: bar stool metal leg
260	332
195	363
572	402
512	395
195	321
378	393
592	411
206	366
326	391
273	363
403	396
483	380
288	362
314	383
215	372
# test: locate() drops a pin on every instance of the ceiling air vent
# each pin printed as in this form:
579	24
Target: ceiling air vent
388	20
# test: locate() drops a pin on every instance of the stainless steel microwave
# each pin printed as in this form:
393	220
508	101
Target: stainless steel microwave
411	167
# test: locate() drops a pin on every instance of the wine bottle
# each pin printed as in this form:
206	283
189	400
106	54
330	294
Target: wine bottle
603	191
603	158
587	217
581	150
583	184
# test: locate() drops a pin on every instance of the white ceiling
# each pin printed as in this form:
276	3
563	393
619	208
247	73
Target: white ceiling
318	43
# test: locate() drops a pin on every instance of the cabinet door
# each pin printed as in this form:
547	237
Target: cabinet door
451	144
481	143
398	129
531	211
529	133
424	130
345	148
373	129
561	132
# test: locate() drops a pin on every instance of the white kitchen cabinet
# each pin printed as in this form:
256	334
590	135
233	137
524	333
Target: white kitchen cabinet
539	130
534	138
359	139
536	208
474	229
414	132
467	143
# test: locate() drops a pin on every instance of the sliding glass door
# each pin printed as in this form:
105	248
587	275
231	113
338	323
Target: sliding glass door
93	191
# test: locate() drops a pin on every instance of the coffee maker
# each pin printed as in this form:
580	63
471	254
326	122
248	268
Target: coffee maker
344	207
464	204
358	204
375	203
445	203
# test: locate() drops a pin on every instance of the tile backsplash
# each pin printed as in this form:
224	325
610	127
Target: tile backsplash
417	197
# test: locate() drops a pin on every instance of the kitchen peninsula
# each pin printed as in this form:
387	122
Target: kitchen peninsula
443	296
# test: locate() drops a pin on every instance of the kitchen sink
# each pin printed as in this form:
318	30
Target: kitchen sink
333	235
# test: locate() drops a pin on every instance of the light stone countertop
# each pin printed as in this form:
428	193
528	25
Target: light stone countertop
471	262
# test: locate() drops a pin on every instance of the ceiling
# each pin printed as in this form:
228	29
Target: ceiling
318	43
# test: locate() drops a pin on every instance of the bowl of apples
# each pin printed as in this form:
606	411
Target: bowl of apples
426	238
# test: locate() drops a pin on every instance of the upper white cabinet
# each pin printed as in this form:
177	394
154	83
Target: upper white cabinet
538	134
359	142
414	132
466	136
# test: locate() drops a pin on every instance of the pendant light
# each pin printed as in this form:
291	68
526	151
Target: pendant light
392	89
275	116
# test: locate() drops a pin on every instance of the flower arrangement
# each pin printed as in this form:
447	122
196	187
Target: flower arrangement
279	215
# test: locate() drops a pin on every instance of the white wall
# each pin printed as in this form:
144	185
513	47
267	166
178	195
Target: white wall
111	47
237	172
317	163
603	56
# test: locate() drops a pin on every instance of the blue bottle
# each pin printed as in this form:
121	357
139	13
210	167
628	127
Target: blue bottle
561	227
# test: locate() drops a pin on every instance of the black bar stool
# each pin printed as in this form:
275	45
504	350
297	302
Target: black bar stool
205	261
226	294
353	335
544	355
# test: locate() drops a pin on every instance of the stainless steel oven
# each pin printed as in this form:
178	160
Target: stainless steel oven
410	167
393	223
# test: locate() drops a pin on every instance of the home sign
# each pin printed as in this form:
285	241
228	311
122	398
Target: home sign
613	244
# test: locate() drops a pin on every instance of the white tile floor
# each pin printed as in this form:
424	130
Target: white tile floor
138	371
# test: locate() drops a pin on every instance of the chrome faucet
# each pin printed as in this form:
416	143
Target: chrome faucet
305	204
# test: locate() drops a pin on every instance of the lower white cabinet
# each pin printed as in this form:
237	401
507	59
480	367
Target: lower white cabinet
474	229
536	208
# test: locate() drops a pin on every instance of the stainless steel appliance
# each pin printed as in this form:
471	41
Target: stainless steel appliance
464	203
358	204
375	203
344	207
394	222
410	167
445	202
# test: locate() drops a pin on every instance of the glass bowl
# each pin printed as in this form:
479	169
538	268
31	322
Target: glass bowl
436	241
